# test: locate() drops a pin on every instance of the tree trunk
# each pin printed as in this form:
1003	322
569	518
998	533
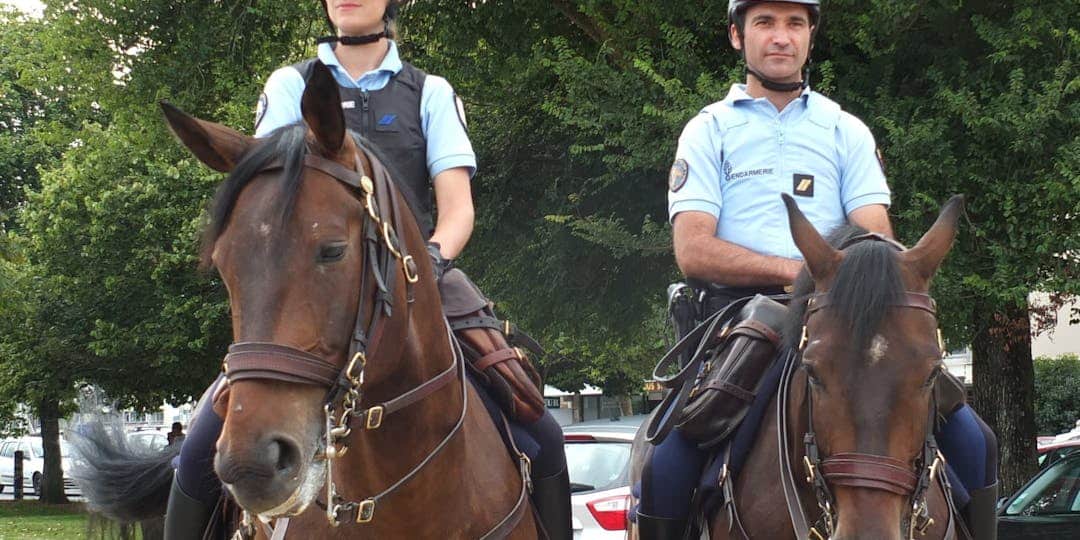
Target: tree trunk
52	481
1004	388
626	405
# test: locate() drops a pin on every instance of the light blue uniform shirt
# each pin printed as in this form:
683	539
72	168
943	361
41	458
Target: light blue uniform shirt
448	143
737	156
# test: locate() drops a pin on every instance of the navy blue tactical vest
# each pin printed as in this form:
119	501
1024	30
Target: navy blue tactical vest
390	118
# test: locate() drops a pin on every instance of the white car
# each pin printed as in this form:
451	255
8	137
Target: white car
33	464
598	458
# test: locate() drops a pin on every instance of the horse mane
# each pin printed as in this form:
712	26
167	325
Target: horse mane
286	145
867	283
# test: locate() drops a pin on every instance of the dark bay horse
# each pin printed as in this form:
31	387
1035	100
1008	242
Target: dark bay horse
846	451
346	410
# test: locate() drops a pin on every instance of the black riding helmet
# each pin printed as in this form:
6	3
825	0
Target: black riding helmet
736	11
388	18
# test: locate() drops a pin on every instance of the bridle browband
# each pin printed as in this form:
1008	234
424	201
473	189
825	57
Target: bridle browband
870	471
384	254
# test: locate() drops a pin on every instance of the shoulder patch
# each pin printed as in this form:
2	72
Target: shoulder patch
460	105
881	160
680	171
260	109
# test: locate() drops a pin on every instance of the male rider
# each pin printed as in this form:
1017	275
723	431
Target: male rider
769	136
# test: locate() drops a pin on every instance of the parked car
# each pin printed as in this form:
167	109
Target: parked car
1050	453
150	438
598	459
33	464
1048	506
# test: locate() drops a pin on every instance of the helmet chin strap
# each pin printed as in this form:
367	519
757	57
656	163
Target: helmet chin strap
782	86
353	40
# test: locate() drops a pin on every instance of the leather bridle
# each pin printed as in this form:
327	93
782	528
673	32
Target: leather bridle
861	470
383	254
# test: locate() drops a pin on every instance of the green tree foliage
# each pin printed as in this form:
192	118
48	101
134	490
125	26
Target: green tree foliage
1057	403
575	107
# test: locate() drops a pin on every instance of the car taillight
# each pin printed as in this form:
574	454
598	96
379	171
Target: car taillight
610	512
570	437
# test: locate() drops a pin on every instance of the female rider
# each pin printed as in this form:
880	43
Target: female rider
419	125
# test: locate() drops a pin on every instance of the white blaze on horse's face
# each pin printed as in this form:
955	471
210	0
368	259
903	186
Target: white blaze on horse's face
878	347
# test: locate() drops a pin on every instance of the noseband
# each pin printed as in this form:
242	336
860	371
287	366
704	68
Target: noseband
870	471
383	253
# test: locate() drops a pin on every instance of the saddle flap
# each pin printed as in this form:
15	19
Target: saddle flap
460	296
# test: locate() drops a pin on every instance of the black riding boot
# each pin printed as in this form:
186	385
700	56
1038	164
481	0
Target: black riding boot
658	528
981	513
551	497
186	518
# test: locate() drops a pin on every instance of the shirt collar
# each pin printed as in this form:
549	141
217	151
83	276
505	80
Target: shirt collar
738	94
391	62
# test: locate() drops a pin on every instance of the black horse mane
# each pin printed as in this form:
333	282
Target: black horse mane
867	283
287	146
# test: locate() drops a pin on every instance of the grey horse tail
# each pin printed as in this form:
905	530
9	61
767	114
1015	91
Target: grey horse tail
122	482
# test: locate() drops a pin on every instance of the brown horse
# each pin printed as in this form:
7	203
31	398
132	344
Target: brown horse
346	409
847	451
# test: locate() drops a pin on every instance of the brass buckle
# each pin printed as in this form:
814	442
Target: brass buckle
723	476
815	534
386	231
374	417
809	470
366	512
804	339
506	328
358	358
409	264
372	209
367	185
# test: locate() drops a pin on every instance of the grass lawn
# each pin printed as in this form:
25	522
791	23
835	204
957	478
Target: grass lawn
30	520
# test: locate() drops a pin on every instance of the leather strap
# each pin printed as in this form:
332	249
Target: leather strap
496	357
925	302
799	522
759	327
507	524
418	393
253	360
869	471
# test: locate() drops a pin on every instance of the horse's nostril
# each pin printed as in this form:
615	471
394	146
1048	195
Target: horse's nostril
285	456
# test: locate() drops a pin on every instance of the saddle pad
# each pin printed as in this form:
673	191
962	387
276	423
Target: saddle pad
460	296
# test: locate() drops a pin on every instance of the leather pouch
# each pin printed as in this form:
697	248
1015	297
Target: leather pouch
730	378
495	350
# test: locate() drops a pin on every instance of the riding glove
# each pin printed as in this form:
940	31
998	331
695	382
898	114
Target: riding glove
439	263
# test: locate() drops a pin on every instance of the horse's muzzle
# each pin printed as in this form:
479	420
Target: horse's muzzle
263	476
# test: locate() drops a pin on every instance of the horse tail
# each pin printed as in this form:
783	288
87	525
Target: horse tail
122	482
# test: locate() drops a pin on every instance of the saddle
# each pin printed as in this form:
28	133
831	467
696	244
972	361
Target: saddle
495	349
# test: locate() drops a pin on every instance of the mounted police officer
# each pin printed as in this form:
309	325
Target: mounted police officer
418	124
769	136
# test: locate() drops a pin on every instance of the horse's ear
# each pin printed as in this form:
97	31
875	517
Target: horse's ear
926	256
821	259
321	107
218	146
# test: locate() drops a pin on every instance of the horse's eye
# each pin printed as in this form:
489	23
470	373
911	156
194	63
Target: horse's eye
332	252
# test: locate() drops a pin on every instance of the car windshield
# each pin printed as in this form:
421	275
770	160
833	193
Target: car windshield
597	465
1055	491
